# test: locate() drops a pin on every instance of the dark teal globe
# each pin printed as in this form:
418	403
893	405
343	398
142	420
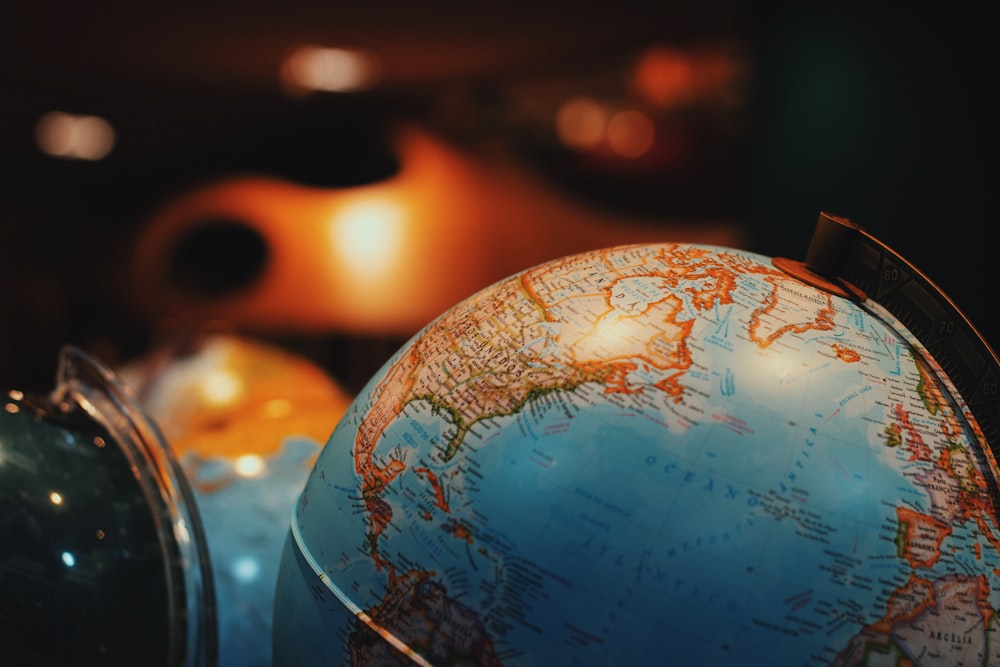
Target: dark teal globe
103	559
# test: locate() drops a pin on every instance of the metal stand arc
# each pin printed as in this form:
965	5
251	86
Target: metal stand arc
845	259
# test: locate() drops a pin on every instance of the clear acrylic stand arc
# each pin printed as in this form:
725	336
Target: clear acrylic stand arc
85	383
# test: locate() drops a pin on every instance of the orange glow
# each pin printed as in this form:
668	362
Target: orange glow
220	387
373	241
72	136
281	395
668	77
631	134
278	408
387	257
249	465
664	76
317	68
581	122
368	236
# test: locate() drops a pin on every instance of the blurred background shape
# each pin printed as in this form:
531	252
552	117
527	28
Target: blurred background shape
332	176
246	420
380	259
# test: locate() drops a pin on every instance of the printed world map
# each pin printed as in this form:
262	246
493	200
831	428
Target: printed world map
652	450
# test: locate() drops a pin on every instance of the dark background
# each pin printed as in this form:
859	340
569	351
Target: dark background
883	115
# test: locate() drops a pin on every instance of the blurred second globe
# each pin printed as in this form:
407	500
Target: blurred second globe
246	419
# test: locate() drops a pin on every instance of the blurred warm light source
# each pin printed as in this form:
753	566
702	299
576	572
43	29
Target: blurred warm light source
669	77
249	465
581	123
73	136
309	68
631	133
220	387
368	236
664	76
584	124
386	257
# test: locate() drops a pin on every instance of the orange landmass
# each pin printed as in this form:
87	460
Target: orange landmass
919	451
906	603
922	537
592	318
846	354
440	502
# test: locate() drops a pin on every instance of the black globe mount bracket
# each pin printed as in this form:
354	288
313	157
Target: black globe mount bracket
844	259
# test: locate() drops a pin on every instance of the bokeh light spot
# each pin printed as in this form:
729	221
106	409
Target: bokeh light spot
220	387
631	134
664	76
317	68
249	465
73	136
367	237
246	569
581	123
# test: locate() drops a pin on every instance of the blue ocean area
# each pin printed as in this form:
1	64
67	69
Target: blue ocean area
732	498
607	507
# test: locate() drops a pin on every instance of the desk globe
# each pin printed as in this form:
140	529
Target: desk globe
245	418
651	454
103	557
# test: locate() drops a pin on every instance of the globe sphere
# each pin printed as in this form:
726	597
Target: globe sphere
649	454
103	558
245	418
